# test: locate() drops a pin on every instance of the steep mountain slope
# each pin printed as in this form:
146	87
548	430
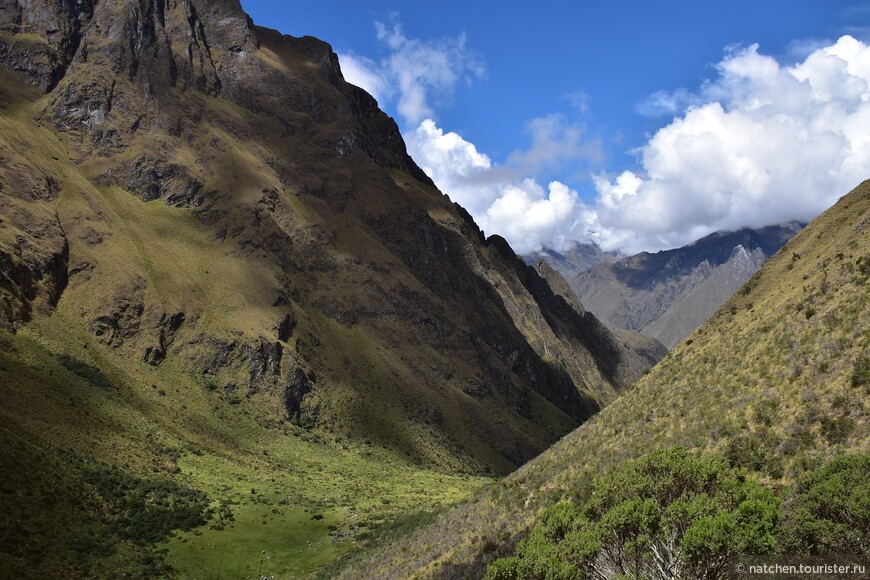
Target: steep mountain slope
649	349
777	381
668	294
220	265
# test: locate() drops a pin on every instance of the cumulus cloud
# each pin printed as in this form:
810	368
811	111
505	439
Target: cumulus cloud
365	73
416	74
529	215
762	143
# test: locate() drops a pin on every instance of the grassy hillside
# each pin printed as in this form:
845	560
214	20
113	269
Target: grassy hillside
777	382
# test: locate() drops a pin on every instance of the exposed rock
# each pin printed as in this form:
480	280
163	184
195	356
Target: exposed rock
57	25
167	328
264	362
210	355
297	387
34	251
559	285
284	330
149	179
122	316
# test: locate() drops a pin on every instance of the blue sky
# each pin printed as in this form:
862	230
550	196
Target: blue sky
556	122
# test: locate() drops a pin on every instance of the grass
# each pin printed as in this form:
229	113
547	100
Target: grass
286	481
261	541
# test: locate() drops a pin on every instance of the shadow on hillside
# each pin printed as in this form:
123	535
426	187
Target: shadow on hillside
84	371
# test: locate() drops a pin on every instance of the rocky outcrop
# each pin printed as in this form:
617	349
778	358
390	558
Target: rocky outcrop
51	34
120	318
34	250
151	179
295	390
166	329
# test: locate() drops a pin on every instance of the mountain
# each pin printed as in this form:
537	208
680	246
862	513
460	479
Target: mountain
648	348
229	295
777	382
668	294
574	260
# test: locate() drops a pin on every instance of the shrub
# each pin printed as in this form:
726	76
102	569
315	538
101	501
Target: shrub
666	515
861	372
828	512
146	510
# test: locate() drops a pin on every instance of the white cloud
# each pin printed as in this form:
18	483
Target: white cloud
760	144
414	72
365	73
529	215
555	142
664	103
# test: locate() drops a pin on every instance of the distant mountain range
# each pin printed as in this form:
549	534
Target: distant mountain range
666	295
242	333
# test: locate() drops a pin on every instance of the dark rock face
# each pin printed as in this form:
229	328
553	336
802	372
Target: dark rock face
284	330
34	256
297	387
58	25
577	329
166	329
151	179
121	317
323	276
264	362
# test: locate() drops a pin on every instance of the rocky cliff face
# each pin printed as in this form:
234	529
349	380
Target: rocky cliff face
668	294
183	188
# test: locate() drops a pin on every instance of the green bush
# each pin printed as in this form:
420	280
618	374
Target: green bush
668	513
828	512
146	510
861	372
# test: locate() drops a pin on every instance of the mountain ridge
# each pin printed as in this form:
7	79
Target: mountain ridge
665	295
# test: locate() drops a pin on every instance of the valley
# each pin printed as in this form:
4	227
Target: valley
243	334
